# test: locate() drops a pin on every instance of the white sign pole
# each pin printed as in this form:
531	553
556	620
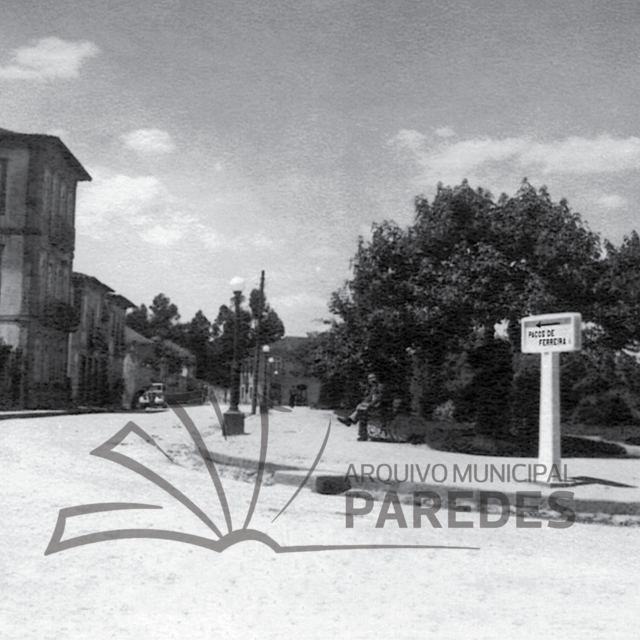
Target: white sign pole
549	335
549	442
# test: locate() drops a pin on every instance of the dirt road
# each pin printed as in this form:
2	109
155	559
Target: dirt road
579	582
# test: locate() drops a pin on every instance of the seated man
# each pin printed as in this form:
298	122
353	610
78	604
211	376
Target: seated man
372	400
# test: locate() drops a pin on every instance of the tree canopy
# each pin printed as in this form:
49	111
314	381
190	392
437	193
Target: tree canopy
210	342
257	324
469	263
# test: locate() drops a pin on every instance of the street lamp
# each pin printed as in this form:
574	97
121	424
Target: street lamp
265	351
234	418
268	383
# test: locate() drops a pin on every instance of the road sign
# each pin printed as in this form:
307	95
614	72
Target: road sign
548	335
551	333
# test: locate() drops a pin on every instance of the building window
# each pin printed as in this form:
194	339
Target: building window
4	163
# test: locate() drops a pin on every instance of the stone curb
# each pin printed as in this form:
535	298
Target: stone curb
40	414
53	413
294	476
250	463
579	504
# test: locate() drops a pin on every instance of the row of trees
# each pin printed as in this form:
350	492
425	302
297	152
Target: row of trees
423	304
210	342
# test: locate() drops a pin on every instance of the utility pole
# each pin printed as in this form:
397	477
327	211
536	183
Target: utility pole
256	355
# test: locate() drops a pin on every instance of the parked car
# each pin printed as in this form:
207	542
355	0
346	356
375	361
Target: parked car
154	397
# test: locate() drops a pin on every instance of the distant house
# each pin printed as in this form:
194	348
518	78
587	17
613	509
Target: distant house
150	360
38	179
137	369
281	374
176	366
97	348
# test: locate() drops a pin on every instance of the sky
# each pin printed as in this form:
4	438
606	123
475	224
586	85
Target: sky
229	137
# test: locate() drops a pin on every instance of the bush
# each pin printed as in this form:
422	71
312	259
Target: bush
489	392
606	409
526	395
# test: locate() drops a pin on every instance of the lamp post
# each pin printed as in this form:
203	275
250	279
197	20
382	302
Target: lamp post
268	382
234	418
265	352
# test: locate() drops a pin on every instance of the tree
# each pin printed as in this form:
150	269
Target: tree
138	320
331	357
250	332
267	326
164	318
439	287
161	319
223	346
493	262
198	336
617	292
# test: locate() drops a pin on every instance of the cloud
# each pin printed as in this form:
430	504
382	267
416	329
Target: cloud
119	197
575	155
141	207
141	204
501	163
445	132
163	235
261	241
612	202
210	239
48	58
304	306
409	139
149	141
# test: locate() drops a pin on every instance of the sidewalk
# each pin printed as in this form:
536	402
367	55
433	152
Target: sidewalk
599	485
32	413
48	413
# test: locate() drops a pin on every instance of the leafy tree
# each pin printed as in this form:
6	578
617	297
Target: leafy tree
224	326
332	357
160	319
270	327
198	336
164	318
138	320
617	292
439	287
267	326
499	262
211	343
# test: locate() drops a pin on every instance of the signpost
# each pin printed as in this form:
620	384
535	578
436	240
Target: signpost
549	335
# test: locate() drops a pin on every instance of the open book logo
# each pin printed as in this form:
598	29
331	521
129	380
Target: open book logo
220	541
